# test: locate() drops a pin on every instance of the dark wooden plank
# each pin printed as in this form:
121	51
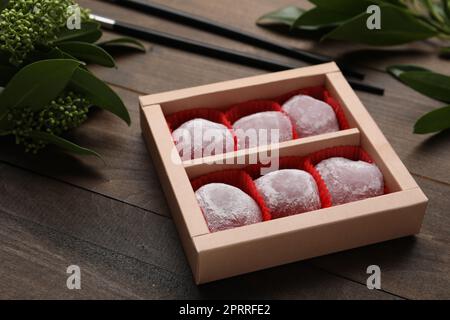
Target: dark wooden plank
413	267
34	260
122	251
152	239
93	218
130	178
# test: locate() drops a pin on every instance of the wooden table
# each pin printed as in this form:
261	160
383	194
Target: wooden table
112	220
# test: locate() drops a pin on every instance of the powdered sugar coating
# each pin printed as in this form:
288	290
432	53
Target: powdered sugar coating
226	206
311	116
349	180
199	138
267	120
288	192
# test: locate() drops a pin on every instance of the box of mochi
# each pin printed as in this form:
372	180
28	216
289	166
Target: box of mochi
276	168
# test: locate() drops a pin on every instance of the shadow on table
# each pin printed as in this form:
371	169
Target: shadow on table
370	57
436	141
60	163
51	160
282	30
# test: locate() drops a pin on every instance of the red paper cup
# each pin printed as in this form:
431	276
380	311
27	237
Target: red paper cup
177	119
322	94
237	178
293	162
251	107
354	153
244	109
340	115
315	92
350	152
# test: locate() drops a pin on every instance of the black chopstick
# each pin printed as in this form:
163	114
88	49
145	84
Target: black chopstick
208	49
231	32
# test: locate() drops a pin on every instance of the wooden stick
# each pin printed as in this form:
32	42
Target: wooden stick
231	32
208	49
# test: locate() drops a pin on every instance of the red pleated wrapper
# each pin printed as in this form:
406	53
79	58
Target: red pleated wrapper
342	119
322	94
354	153
315	92
237	178
177	119
241	110
251	107
292	162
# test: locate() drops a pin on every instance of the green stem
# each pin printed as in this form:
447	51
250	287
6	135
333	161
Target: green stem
446	6
440	27
434	14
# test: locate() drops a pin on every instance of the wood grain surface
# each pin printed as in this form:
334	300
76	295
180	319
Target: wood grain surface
112	219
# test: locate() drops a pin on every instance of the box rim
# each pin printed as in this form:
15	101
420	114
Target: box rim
410	194
163	97
371	134
296	223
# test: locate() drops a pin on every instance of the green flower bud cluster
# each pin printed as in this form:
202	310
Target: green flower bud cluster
66	112
27	23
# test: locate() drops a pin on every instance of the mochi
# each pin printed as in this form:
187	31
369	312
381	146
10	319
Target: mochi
288	192
226	207
248	128
349	180
199	138
311	116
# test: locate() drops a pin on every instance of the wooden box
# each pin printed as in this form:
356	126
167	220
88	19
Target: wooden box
227	253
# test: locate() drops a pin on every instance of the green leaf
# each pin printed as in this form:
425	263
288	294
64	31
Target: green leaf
347	7
433	121
99	93
397	70
434	10
89	32
6	73
63	143
87	52
36	84
285	16
321	18
397	27
354	6
446	6
397	3
53	53
332	12
433	85
125	42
